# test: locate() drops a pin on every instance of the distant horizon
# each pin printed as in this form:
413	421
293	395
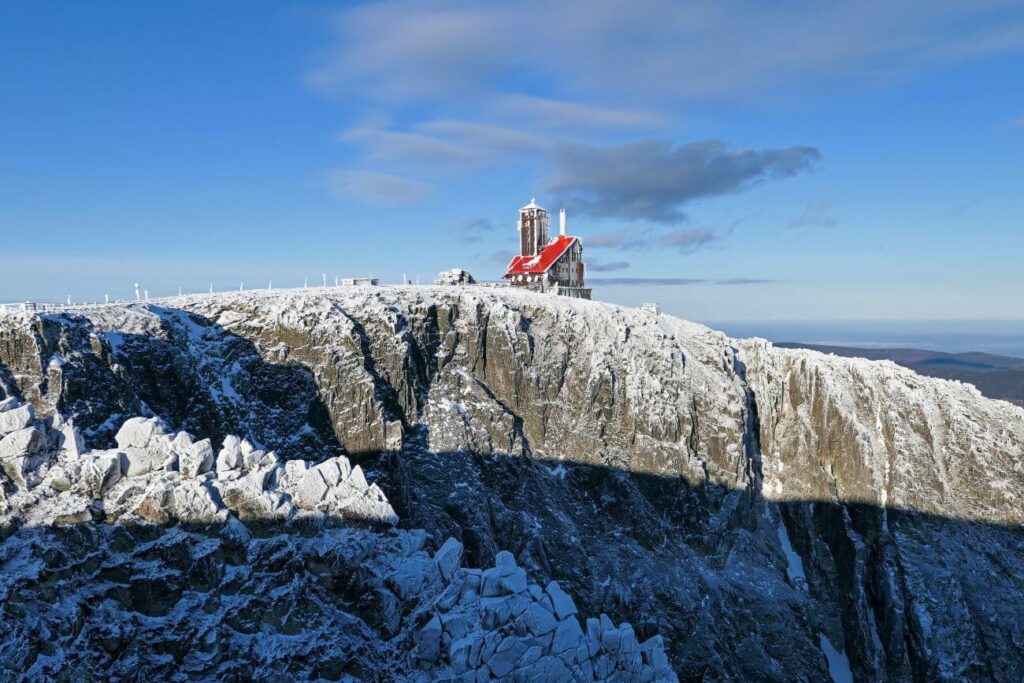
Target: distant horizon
1001	337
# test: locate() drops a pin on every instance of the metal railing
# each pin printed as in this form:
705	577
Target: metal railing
50	307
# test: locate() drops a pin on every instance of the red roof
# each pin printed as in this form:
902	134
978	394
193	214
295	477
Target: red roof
542	261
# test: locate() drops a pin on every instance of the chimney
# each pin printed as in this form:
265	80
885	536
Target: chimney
561	222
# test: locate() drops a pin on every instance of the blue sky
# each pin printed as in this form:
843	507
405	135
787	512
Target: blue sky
809	161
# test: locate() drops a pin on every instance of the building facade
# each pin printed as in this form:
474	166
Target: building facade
544	264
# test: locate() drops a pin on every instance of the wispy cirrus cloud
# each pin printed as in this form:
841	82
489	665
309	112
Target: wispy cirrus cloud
397	51
961	209
685	240
475	230
653	180
623	239
598	266
815	215
500	257
688	239
377	188
452	143
551	113
658	49
744	281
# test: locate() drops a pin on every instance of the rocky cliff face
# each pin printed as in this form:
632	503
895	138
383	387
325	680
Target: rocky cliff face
771	514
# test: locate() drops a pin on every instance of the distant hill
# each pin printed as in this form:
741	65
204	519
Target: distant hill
995	376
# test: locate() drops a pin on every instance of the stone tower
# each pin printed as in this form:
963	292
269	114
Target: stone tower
533	229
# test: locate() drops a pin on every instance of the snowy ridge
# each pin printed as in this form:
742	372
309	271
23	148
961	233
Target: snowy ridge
656	470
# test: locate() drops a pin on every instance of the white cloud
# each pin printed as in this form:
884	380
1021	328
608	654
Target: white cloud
444	142
397	50
550	113
381	144
610	50
378	188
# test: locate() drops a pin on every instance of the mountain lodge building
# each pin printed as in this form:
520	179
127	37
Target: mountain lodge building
543	264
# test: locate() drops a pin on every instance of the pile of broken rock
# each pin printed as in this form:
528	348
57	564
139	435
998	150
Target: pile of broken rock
449	622
153	476
496	622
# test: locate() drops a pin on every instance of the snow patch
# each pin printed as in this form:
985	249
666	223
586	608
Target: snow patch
558	471
794	564
838	663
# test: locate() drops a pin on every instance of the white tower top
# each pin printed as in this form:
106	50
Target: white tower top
561	222
531	205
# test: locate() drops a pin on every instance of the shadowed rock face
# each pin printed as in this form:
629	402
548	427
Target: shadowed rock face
656	468
884	444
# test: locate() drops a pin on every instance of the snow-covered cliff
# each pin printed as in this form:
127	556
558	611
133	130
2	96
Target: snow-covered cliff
761	510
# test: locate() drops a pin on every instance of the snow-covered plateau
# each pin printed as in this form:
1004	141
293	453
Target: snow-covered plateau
469	483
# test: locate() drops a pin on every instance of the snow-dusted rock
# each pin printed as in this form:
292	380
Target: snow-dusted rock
251	460
311	489
332	487
249	498
16	417
158	454
412	542
370	506
653	652
15	450
71	443
538	620
294	471
171	479
22	442
448	558
9	403
507	654
156	504
195	459
230	455
235	530
194	504
429	648
568	636
136	432
504	578
181	442
333	470
101	470
516	636
393	435
561	602
356	479
455	276
16	468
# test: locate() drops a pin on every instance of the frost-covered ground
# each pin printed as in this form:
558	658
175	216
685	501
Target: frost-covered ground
187	556
772	514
